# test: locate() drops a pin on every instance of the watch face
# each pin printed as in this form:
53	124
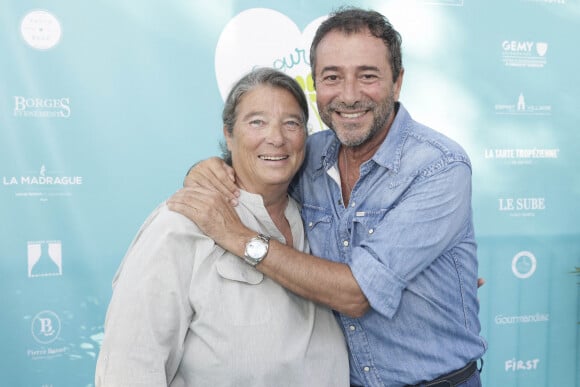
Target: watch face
256	249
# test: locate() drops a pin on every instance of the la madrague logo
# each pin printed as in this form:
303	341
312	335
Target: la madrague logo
43	185
42	179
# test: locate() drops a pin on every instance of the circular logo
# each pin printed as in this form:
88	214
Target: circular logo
41	30
524	264
45	327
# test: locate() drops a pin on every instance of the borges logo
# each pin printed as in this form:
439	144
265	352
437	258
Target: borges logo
25	107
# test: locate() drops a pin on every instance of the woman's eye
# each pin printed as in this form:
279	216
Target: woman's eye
293	124
257	122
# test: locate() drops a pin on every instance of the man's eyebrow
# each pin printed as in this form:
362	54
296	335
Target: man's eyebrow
329	68
359	68
367	68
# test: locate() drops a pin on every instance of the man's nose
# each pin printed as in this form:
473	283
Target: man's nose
350	93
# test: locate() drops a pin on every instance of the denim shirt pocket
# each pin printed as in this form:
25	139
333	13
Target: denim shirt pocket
365	224
318	227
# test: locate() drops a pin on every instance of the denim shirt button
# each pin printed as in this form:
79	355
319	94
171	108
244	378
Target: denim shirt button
366	369
371	230
353	204
352	327
310	224
345	243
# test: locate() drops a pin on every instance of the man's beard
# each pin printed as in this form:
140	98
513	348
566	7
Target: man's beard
381	115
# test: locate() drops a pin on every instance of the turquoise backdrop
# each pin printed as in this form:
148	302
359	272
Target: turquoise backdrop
104	105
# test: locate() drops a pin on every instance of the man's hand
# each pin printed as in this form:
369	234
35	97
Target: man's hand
211	212
214	174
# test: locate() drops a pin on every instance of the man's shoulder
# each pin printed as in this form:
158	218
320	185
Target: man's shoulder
316	146
429	141
322	137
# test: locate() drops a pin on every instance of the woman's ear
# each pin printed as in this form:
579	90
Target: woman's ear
228	137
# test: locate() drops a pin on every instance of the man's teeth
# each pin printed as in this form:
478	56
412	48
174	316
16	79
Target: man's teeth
352	115
273	158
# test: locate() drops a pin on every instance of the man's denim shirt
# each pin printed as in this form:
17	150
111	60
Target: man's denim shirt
407	235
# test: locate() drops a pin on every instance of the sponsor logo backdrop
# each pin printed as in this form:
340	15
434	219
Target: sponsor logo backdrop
105	105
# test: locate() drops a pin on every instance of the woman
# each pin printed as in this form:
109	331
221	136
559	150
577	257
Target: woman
186	313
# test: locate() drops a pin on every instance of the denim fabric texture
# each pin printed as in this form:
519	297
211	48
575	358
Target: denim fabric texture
407	235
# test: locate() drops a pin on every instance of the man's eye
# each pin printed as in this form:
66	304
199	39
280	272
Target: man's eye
368	77
330	78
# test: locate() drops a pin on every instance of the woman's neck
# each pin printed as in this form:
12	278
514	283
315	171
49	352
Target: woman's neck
276	206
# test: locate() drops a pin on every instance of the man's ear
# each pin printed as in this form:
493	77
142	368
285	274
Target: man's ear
398	85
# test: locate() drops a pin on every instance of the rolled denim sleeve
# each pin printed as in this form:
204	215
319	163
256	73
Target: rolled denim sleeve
430	219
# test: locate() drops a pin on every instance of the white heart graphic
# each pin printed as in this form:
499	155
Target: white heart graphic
264	37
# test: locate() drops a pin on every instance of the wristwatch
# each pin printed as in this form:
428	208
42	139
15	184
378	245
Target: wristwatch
256	249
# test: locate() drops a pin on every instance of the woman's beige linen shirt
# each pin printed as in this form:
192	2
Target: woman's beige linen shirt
186	313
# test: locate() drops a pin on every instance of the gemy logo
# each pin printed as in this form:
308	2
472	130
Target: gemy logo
524	53
525	47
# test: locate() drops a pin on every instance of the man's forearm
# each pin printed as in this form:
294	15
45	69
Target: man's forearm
317	279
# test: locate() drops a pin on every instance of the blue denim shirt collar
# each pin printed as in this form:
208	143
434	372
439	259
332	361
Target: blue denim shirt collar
389	153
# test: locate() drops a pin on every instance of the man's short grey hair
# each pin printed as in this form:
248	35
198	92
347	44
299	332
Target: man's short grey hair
258	77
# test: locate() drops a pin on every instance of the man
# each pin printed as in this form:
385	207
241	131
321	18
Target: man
386	203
